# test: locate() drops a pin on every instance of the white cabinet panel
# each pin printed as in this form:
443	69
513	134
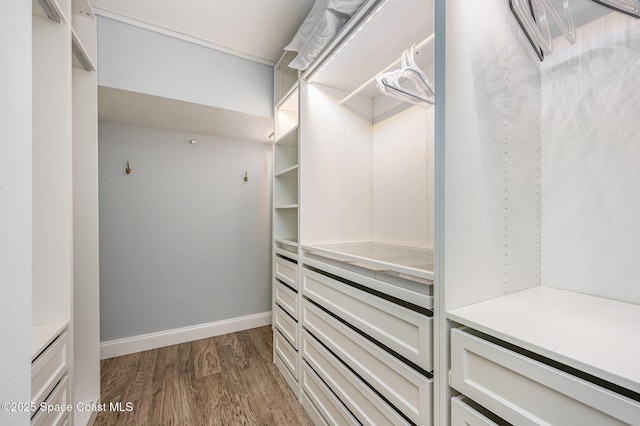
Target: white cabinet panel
287	354
403	330
49	367
463	415
286	325
321	400
526	392
404	387
286	272
59	397
365	404
286	298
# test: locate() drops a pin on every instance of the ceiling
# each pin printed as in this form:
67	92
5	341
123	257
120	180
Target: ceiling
253	28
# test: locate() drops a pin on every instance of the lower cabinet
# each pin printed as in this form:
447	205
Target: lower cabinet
59	397
462	414
364	403
50	385
320	402
366	356
524	391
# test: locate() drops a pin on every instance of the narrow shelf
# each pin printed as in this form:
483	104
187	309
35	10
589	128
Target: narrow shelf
80	55
598	336
286	206
43	334
291	242
290	172
381	257
82	7
289	101
49	9
290	138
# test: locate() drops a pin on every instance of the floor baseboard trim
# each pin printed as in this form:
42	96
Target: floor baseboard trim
145	342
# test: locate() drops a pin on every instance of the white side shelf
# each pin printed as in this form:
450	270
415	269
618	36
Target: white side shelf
598	336
291	172
414	261
81	58
290	138
43	334
286	206
292	242
82	7
289	101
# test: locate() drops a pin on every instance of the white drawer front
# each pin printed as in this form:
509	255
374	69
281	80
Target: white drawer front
408	390
49	367
286	271
402	330
328	407
60	396
287	354
407	289
526	392
287	326
365	404
463	415
287	299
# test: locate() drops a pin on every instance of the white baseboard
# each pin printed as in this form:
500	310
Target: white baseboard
145	342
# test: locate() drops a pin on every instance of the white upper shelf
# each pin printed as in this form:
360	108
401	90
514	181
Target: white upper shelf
595	335
361	52
382	257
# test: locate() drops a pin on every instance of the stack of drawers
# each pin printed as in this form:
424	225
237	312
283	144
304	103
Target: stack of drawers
50	382
285	318
366	348
505	384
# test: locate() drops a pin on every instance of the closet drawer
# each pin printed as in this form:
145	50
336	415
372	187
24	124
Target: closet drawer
49	367
405	388
463	415
287	354
287	326
364	403
286	271
403	330
526	392
323	401
59	397
287	299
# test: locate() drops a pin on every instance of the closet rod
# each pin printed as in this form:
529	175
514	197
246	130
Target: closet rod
419	46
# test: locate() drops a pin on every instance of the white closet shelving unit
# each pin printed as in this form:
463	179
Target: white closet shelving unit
369	161
65	332
286	298
366	227
539	236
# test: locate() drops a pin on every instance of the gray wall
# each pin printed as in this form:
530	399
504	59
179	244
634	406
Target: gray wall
183	239
143	61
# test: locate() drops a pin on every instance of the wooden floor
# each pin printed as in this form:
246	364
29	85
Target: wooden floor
224	380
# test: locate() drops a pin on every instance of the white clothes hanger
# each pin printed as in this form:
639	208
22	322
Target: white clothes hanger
390	83
628	7
415	73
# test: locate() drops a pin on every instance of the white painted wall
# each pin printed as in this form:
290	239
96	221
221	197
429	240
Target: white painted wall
402	161
183	239
491	201
143	61
590	161
15	208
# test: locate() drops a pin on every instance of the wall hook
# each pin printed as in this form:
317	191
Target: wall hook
246	178
128	169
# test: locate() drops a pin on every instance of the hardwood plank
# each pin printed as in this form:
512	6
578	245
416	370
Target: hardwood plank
224	380
205	358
